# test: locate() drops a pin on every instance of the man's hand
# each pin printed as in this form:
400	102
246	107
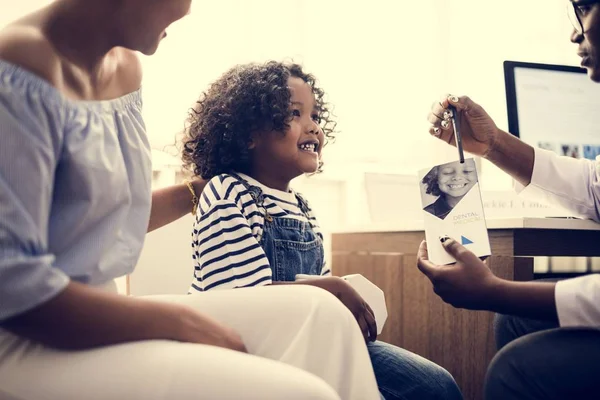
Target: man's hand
467	284
479	132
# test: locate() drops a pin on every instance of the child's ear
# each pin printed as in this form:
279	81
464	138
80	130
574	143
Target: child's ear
254	139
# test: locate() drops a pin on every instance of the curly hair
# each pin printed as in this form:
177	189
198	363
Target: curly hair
431	182
247	99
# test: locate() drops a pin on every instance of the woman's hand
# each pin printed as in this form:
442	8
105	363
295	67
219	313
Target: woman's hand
467	284
190	326
82	317
479	132
354	302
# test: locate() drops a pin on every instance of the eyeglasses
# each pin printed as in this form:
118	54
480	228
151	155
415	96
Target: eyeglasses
577	10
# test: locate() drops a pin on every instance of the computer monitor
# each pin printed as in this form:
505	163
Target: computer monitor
554	107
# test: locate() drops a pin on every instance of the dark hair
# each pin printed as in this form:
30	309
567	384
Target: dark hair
431	182
246	99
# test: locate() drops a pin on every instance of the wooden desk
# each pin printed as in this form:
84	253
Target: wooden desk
461	341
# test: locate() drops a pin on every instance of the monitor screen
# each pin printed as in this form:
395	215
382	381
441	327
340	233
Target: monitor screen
553	107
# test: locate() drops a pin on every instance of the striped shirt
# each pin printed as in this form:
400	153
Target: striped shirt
227	231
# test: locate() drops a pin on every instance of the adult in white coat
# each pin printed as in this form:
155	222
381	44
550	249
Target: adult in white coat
549	333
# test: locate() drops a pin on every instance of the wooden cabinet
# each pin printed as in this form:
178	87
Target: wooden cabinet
461	341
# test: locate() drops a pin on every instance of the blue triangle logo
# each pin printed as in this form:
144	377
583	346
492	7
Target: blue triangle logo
465	241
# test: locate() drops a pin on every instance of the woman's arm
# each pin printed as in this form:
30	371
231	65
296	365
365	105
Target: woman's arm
81	317
172	203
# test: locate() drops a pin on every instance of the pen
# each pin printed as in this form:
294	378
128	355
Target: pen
457	135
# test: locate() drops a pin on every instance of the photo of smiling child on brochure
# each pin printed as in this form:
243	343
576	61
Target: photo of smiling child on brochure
450	183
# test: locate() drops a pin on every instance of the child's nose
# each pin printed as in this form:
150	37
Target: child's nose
313	127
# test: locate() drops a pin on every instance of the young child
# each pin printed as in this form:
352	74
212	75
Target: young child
254	130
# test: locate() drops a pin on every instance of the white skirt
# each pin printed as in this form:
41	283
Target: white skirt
303	344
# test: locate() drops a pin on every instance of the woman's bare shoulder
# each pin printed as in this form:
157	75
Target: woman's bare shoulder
130	69
26	46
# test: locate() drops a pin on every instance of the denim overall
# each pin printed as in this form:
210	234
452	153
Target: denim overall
291	246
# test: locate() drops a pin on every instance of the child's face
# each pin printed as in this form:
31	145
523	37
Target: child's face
456	179
298	150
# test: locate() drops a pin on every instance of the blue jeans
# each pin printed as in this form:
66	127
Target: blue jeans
404	375
538	360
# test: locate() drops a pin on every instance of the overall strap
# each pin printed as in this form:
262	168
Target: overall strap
303	205
256	193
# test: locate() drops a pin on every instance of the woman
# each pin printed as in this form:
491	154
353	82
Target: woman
450	182
549	334
74	208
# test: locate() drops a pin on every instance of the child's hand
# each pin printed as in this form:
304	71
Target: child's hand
358	307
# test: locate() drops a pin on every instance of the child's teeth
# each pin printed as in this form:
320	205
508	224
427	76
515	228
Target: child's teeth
309	147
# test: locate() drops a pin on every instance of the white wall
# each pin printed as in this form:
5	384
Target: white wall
11	10
165	265
383	62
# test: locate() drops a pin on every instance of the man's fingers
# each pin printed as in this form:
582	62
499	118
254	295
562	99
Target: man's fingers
428	268
455	249
463	103
443	104
425	266
422	253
